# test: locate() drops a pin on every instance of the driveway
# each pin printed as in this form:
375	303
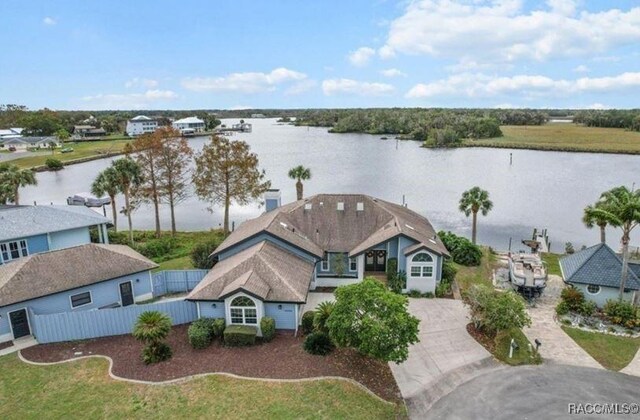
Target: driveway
536	392
4	157
445	357
557	346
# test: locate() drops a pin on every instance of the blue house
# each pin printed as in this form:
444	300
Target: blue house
269	264
76	278
597	272
27	230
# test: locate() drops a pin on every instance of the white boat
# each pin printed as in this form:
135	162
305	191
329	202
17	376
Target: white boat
527	271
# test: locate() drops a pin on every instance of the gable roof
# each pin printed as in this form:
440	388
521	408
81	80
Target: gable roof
316	225
263	270
597	265
57	271
23	221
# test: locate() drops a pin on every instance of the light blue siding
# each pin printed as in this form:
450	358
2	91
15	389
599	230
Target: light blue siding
403	242
264	237
69	238
393	248
102	294
106	322
606	293
208	311
37	244
333	265
285	317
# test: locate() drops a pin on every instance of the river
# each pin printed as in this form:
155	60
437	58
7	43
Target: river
539	189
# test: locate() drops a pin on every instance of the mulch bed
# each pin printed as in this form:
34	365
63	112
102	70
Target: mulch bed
487	342
6	344
282	358
324	289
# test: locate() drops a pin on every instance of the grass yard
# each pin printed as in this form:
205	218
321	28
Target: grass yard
81	150
482	274
553	263
180	263
522	356
564	137
612	352
83	389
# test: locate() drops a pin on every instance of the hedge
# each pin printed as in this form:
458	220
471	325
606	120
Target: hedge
268	327
240	335
307	322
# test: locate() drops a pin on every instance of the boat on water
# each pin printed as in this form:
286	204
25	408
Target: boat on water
528	273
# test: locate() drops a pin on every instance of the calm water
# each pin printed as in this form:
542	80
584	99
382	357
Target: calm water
540	189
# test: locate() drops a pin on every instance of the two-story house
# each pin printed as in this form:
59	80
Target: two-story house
140	125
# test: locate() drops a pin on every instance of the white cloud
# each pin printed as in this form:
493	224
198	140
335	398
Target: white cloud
393	73
49	21
241	107
355	87
139	81
490	31
129	100
598	105
361	56
481	85
301	87
581	69
249	82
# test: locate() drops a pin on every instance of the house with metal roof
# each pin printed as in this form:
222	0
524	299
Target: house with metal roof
597	272
269	264
77	278
189	125
28	230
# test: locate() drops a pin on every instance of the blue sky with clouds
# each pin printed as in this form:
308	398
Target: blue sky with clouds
291	54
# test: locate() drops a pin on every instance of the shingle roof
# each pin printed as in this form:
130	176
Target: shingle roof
597	265
264	270
56	271
316	225
30	139
23	221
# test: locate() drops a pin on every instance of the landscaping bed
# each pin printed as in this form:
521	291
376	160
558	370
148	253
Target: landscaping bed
6	344
282	358
498	346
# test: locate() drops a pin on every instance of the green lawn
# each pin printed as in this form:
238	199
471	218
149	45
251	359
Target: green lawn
80	150
553	263
468	276
522	356
565	137
180	263
612	352
84	390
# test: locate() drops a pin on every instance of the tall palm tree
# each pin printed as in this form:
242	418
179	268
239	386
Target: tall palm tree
473	201
620	207
13	178
106	183
129	176
300	173
591	220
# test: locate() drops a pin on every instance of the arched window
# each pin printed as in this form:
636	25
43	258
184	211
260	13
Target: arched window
421	265
243	311
593	289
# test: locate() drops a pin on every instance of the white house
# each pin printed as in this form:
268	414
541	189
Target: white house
189	125
141	124
10	133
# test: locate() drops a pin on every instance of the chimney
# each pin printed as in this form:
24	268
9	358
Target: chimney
272	200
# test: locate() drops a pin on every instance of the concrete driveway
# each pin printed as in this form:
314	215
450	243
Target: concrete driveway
445	357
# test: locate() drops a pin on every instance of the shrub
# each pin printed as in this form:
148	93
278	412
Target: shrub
151	328
449	272
620	312
462	250
201	252
587	308
322	314
268	327
156	353
307	322
392	269
397	282
562	308
240	335
218	327
159	247
318	343
428	295
573	297
199	335
414	293
54	164
442	289
495	311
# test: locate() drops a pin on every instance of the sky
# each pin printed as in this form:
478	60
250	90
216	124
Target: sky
234	54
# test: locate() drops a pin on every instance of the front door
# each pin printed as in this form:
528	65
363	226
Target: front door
375	260
126	293
19	323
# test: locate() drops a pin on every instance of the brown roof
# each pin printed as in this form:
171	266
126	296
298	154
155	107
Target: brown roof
316	225
264	270
56	271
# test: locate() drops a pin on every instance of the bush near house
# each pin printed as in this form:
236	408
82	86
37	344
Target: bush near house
201	252
318	343
240	335
462	250
218	327
307	322
572	300
199	336
392	268
152	327
493	311
397	281
322	314
622	313
268	328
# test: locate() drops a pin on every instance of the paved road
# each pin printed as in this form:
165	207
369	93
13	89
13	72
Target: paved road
4	157
536	392
445	357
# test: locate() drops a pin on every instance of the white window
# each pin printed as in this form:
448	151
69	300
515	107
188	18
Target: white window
324	266
243	311
593	289
421	265
14	250
353	264
80	299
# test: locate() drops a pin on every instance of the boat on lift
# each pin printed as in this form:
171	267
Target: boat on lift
528	273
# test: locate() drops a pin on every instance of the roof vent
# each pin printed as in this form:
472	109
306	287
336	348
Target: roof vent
340	206
432	240
410	227
360	206
321	204
308	206
284	225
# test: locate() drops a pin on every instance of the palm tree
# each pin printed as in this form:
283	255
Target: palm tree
128	176
12	178
152	327
620	207
590	221
299	173
473	201
106	183
322	314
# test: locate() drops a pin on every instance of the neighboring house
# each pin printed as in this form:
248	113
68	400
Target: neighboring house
189	125
84	277
243	127
597	272
83	131
257	116
24	143
141	125
268	265
27	230
10	133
